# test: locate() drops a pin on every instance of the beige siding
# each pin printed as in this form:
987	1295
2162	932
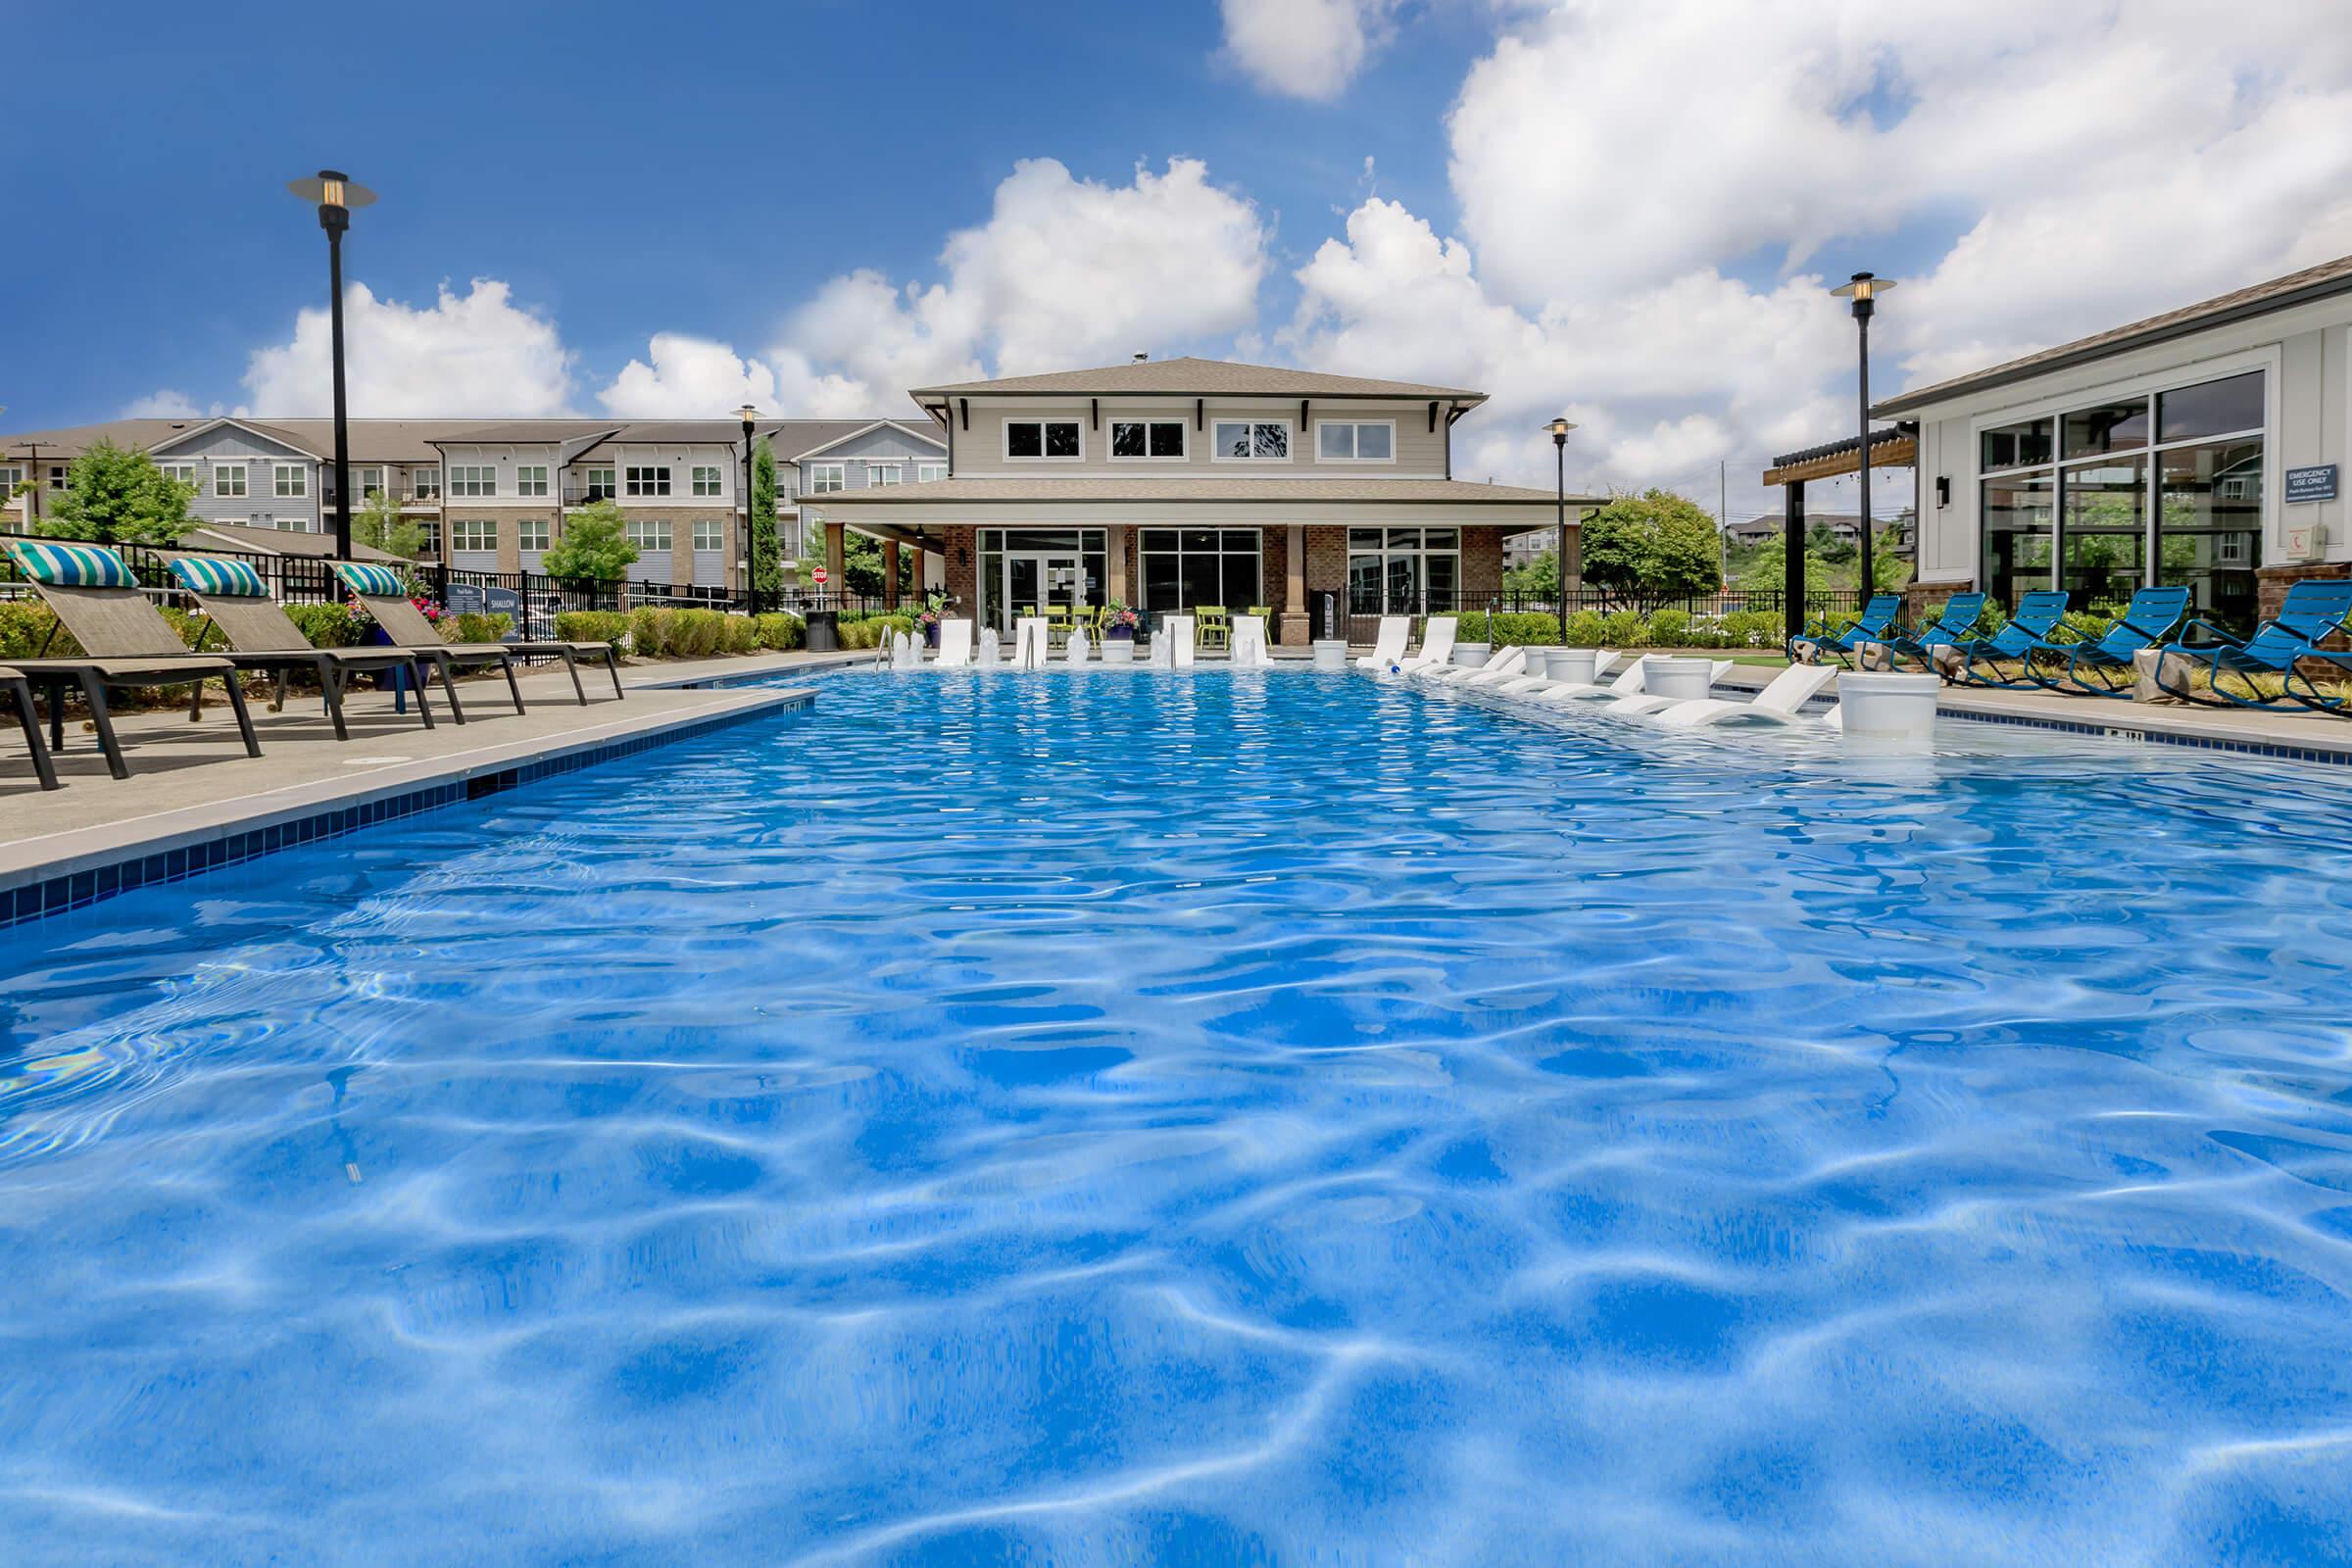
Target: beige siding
1420	452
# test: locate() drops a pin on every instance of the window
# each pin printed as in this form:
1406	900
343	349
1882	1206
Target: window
1023	570
531	534
1254	440
228	479
926	472
649	534
179	472
1147	438
372	483
290	479
473	480
1404	572
531	480
827	477
600	485
432	535
1361	442
427	482
649	482
59	471
474	533
878	474
706	481
2127	493
709	533
1042	439
1185	567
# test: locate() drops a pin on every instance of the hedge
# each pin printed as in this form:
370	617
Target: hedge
473	627
779	631
866	631
1626	628
607	626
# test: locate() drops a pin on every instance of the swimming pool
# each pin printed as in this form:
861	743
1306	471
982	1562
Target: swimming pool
1232	1117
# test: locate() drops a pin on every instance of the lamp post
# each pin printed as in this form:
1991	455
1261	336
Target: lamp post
1863	290
335	197
1559	430
751	587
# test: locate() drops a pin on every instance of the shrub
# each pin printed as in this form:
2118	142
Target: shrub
741	634
327	625
607	626
474	626
1751	628
1585	628
867	630
25	625
1669	629
1623	628
645	631
779	631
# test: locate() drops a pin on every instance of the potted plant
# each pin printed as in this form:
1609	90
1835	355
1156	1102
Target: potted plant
1120	626
935	608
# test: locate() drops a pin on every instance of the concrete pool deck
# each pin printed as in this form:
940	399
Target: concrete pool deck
192	784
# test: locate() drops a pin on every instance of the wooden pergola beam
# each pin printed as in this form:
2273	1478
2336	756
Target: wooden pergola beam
1901	452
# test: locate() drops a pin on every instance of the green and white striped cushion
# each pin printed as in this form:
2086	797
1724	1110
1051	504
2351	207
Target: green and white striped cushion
208	575
70	565
365	580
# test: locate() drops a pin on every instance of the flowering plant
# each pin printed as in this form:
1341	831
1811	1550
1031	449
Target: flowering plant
935	608
1121	617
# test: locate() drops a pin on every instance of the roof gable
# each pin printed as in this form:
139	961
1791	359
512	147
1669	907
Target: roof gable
845	437
283	440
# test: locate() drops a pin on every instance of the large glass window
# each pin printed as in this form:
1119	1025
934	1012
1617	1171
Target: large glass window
1043	438
1254	440
1027	571
649	481
1147	438
2117	495
1184	568
1404	572
530	480
472	479
1363	441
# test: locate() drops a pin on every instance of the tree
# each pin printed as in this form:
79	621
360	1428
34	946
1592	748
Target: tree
593	547
1538	578
767	557
861	567
114	496
1656	545
379	524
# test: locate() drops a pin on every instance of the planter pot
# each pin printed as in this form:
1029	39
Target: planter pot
931	635
1470	656
1539	659
1577	664
1119	634
1331	654
1118	651
1682	679
1892	707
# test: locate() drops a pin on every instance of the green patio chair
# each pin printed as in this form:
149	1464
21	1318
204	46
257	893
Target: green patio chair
1211	627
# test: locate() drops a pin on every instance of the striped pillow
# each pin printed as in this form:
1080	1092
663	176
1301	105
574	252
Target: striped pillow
365	580
70	565
207	574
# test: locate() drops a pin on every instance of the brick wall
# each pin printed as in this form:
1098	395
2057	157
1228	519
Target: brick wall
1482	563
963	571
2273	581
1273	567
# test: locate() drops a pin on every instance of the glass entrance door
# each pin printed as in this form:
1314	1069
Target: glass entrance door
1034	582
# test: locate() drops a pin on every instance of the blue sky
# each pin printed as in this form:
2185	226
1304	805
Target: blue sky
1626	211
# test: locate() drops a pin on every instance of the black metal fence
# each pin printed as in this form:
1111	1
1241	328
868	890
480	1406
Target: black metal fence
1363	625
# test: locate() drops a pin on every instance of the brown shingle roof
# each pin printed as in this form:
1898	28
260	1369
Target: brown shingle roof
2278	294
1222	491
1194	377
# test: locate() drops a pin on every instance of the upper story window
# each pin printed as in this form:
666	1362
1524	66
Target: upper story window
1147	438
1358	441
228	479
432	535
372	483
600	485
531	480
926	472
827	477
706	481
472	479
290	479
427	482
59	471
180	472
878	474
1254	440
649	481
1044	438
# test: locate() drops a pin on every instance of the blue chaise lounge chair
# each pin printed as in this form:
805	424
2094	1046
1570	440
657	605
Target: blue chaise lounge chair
2311	613
1955	625
2103	666
2037	615
1876	624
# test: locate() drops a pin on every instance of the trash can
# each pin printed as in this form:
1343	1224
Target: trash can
825	634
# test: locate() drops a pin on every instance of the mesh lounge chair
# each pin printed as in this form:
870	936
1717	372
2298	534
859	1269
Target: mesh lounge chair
1955	623
383	592
19	695
1388	647
1876	624
124	641
2104	667
2311	613
262	637
2037	615
1781	701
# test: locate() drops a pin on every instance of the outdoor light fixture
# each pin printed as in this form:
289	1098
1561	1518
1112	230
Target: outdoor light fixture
1559	430
335	196
750	589
1864	291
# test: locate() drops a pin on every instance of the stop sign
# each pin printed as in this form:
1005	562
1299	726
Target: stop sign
819	575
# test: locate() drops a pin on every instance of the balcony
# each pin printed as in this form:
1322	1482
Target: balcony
588	494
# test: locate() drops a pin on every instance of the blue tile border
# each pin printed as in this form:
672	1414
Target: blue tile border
2279	750
78	889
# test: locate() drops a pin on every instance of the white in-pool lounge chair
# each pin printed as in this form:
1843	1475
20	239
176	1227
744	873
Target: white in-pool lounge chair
1178	630
1529	685
1437	645
1388	648
1652	701
1503	666
1781	703
1455	675
954	643
1249	642
1629	680
1029	645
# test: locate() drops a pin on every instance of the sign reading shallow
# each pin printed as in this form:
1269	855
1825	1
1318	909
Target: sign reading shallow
2311	484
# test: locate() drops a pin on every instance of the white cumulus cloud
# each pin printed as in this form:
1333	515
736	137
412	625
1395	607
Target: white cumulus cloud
473	354
164	402
689	378
1305	48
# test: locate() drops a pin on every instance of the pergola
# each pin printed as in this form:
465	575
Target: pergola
1896	446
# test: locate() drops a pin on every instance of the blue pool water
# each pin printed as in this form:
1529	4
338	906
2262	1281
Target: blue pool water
1235	1118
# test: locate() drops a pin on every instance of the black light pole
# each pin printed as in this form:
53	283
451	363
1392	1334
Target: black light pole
336	197
1862	290
751	588
1559	430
